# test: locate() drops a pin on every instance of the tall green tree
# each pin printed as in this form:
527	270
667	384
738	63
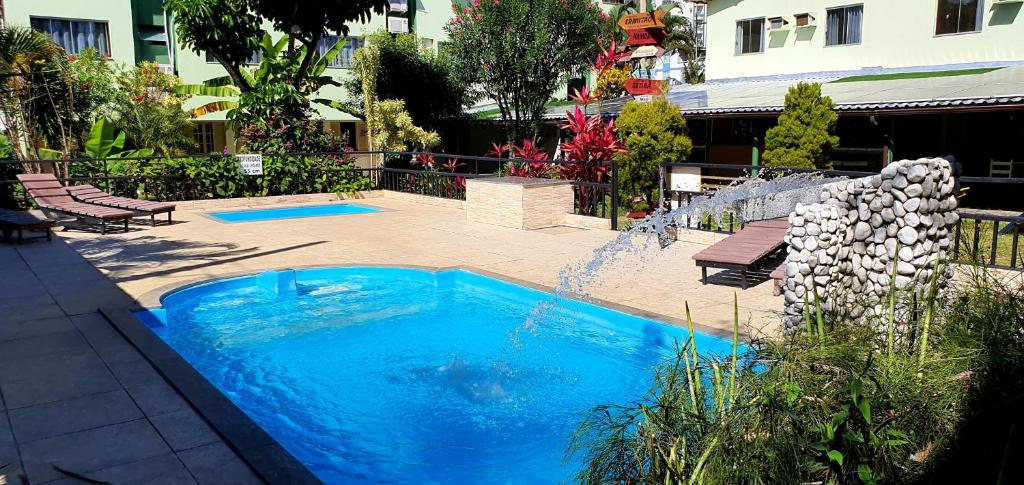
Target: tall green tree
230	30
805	133
522	49
402	58
653	133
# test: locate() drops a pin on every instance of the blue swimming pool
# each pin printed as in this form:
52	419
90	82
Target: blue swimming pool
251	215
371	374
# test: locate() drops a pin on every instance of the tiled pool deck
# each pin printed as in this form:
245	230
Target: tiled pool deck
79	397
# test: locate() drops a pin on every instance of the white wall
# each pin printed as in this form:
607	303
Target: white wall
896	33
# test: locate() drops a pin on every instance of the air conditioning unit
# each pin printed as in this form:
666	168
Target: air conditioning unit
398	25
803	20
777	23
400	6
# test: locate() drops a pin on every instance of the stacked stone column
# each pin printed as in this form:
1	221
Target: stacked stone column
902	216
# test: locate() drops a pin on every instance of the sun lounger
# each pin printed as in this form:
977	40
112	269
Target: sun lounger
92	195
19	221
53	198
748	250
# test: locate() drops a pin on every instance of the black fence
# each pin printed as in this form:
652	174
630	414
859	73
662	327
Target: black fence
989	239
981	237
220	176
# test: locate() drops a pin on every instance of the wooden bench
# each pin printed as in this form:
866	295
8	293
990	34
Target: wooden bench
747	250
18	221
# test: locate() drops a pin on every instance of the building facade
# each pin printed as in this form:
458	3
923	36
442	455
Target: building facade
754	38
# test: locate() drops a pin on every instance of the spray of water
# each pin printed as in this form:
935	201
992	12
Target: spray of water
748	199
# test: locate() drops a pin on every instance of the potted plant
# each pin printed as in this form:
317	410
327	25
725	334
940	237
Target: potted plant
639	208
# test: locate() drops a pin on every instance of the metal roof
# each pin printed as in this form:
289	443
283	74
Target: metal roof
1001	87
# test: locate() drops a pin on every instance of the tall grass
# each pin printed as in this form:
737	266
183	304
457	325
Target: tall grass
880	399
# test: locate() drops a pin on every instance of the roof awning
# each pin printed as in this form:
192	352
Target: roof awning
321	112
1001	88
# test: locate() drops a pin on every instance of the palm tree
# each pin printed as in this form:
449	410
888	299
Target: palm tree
34	92
681	38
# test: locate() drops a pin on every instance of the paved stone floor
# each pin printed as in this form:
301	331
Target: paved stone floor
76	396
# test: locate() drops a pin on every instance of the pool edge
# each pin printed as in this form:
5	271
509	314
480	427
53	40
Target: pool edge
260	451
153	298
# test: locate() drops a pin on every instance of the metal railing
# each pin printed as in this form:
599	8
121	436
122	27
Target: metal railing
989	239
220	176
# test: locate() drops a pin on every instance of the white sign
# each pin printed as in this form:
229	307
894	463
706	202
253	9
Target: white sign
646	51
684	179
643	98
252	164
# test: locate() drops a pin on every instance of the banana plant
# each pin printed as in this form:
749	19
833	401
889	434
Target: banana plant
105	141
267	85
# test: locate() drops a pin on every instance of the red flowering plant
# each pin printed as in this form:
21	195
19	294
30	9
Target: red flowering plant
533	159
591	147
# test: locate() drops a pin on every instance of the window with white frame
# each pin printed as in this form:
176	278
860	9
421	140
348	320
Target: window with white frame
750	36
959	16
843	25
74	35
345	56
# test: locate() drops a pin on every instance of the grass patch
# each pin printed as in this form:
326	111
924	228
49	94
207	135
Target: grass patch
916	75
1004	244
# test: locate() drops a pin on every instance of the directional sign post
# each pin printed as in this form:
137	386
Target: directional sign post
645	36
639	87
642	20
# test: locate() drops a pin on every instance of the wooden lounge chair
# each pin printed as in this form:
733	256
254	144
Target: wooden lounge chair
778	275
748	250
53	199
92	195
19	221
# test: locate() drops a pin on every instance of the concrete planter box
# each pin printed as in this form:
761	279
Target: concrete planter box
518	202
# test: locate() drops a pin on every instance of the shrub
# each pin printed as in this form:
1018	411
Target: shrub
805	132
840	402
653	133
611	82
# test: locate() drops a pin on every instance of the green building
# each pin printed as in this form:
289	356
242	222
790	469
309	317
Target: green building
132	31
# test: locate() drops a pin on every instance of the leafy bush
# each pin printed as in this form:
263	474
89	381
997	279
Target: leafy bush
653	133
805	132
403	58
7	172
611	82
844	401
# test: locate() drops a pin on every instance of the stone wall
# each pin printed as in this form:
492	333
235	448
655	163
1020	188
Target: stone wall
844	246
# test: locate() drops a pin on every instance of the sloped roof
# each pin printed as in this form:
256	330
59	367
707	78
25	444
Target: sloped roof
1000	87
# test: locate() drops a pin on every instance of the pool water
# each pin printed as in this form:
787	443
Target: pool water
251	215
409	376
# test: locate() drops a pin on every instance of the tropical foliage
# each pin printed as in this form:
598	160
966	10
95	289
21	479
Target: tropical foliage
653	133
39	106
611	82
388	124
805	132
521	49
231	31
401	58
842	401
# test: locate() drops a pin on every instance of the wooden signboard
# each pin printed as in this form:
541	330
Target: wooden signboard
638	87
643	20
645	36
647	51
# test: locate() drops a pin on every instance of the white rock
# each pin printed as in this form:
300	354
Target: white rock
912	219
888	215
889	171
812	229
862	231
899	182
911	205
913	190
906	253
811	244
917	173
797	231
907	235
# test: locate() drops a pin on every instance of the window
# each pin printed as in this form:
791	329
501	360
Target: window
202	133
958	16
255	60
74	35
344	57
843	25
750	36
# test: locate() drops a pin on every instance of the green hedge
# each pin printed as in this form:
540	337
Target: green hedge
221	177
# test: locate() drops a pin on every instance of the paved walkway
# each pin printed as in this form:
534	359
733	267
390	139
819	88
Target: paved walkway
76	397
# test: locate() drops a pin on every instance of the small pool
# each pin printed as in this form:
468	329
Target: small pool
371	374
251	215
